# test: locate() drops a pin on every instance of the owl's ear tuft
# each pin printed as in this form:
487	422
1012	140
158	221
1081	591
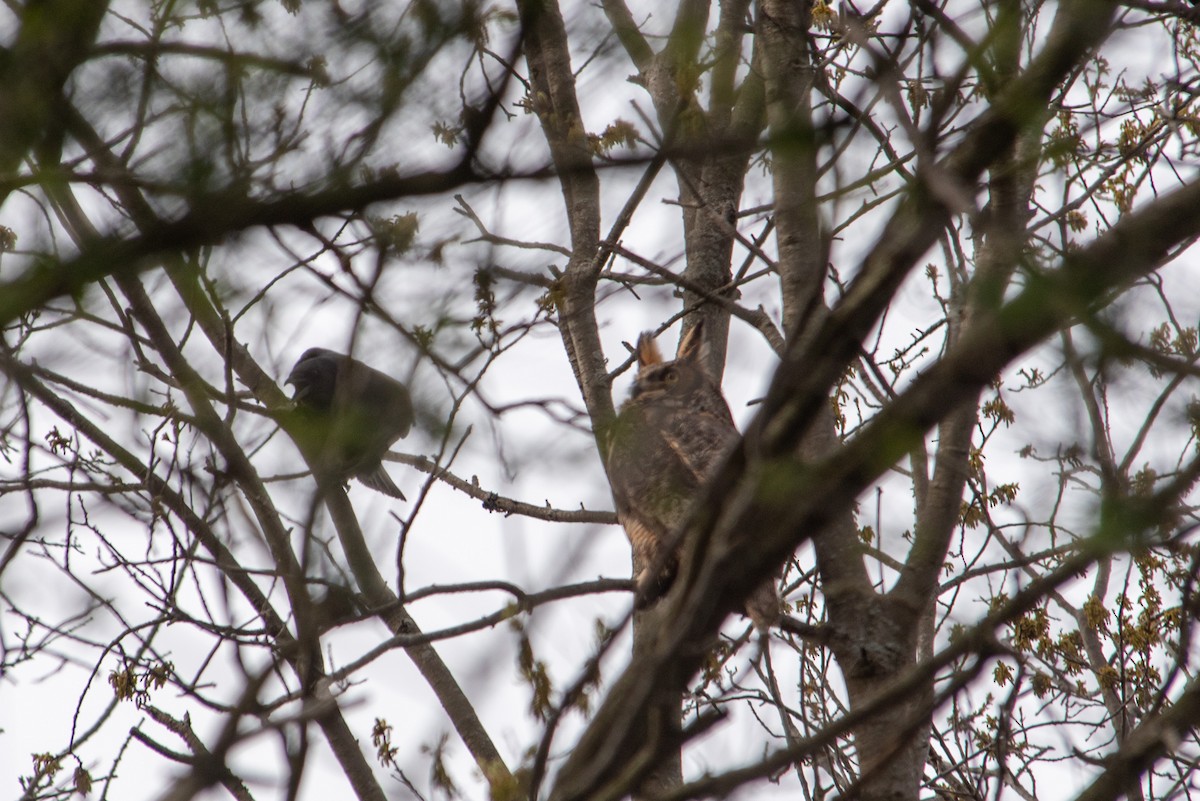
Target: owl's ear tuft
647	351
692	347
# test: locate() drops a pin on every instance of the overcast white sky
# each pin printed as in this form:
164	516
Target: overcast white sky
525	454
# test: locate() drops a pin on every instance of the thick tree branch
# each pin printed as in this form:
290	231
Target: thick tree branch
725	568
209	219
371	584
54	39
378	596
554	100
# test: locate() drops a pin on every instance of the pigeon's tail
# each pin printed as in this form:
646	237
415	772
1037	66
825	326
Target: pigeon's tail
378	479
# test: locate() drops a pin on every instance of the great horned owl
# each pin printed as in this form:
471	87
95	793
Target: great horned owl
668	438
348	414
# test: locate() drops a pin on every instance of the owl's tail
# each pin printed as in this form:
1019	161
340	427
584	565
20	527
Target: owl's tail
378	479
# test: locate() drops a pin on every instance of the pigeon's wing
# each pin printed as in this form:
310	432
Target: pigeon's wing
381	399
392	400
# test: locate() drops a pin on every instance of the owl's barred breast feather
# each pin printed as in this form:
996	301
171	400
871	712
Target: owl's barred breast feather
701	442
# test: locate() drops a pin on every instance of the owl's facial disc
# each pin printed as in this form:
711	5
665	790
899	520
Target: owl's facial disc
655	381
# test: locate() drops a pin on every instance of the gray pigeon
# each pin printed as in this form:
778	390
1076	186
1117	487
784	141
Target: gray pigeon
349	414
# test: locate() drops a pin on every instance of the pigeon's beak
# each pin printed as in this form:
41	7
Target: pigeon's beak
291	381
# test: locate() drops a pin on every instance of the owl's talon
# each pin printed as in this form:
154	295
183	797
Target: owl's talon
649	591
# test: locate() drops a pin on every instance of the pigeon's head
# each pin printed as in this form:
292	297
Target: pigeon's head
315	377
